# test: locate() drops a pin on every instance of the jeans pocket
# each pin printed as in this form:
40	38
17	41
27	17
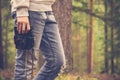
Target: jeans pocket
51	18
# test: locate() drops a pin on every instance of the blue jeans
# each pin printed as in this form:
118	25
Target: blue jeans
47	40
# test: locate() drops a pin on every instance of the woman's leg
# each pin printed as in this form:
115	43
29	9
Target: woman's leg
52	50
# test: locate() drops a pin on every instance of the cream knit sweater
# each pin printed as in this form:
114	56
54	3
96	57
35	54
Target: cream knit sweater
23	6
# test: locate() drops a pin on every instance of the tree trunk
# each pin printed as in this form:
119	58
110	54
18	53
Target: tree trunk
112	39
62	9
1	46
91	43
106	38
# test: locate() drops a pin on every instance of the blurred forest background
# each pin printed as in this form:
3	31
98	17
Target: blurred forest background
90	31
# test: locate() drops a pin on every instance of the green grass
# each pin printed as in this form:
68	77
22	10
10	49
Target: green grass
9	76
74	77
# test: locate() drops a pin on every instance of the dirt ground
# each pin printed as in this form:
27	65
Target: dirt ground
8	75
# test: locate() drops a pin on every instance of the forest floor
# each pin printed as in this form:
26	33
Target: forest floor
8	75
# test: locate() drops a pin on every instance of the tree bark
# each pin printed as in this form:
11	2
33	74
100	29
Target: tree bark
106	38
1	46
62	9
91	42
112	39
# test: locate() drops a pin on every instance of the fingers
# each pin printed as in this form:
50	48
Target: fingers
23	27
19	27
27	28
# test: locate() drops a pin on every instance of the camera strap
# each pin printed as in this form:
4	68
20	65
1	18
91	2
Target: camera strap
26	63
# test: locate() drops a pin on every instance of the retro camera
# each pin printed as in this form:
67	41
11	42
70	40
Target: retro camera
23	41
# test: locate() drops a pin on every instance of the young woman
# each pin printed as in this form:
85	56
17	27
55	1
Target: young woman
38	16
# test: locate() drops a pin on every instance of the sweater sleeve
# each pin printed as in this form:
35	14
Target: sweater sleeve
21	7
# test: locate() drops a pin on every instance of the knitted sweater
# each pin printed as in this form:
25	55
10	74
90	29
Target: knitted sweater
23	6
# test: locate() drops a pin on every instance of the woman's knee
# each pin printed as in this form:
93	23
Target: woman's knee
60	64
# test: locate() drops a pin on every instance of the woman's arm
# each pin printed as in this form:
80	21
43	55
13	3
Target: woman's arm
21	7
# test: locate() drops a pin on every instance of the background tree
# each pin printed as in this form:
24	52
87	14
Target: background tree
112	36
63	15
7	35
106	38
1	46
91	41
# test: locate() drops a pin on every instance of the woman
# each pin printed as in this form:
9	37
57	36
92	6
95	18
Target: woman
38	16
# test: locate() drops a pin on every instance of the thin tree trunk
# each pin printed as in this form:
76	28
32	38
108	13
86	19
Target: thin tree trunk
106	38
91	43
87	44
112	40
1	46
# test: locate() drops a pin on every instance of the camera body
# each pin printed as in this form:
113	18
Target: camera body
23	41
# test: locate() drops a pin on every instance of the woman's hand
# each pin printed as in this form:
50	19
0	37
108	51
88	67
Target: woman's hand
23	25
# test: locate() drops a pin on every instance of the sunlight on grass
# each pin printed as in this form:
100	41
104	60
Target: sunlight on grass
67	77
74	77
